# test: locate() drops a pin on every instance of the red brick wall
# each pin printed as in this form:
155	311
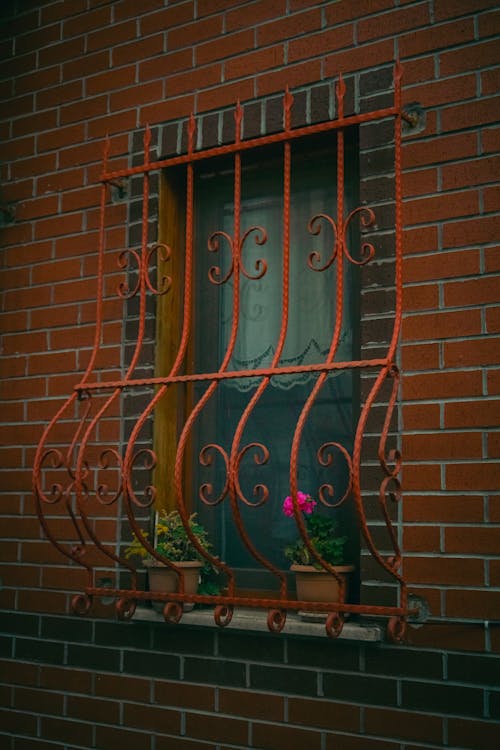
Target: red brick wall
72	71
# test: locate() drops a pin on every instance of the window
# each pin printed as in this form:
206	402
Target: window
255	416
264	383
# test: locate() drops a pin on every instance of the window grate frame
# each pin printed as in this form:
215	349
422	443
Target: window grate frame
74	458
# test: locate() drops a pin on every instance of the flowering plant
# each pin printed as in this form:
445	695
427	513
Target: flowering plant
173	543
321	531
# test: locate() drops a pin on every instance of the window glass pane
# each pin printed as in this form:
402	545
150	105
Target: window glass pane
312	300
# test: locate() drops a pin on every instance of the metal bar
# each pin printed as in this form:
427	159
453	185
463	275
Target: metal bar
265	140
229	374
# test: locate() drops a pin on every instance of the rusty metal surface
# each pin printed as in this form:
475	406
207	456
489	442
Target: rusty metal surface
86	458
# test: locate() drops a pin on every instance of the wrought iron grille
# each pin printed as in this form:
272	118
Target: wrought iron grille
73	485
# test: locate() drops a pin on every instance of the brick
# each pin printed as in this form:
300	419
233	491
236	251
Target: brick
491	259
493	319
216	728
58	95
58	11
142	94
287	28
378	53
183	83
441	325
166	19
94	63
122	122
419	182
478	56
443	508
293	75
91	20
421	539
473	604
323	714
438	37
449	698
405	725
224	95
128	8
441	266
472	352
483	413
109	738
107	37
151	718
442	445
421	416
472	540
471	114
226	46
469	231
443	570
35	40
61	52
473	476
471	292
181	695
444	148
489	23
317	44
477	735
454	8
84	110
42	121
259	11
398	20
192	33
421	297
16	722
491	198
280	737
48	363
251	705
271	57
110	80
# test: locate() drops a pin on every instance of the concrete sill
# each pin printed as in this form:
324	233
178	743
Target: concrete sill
255	620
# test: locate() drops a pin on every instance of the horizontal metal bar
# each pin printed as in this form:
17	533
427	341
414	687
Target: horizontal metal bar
231	375
264	140
254	603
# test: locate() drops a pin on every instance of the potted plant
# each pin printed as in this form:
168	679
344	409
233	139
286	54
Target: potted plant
172	542
314	583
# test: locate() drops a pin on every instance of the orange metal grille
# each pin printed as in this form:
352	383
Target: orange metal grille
79	493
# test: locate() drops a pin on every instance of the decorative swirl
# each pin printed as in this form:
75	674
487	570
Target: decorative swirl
149	490
206	459
81	604
260	491
125	608
314	227
223	614
367	219
334	624
56	491
396	629
325	458
214	272
123	290
172	612
103	489
164	255
276	619
260	264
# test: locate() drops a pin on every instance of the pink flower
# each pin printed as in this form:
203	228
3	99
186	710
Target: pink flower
305	502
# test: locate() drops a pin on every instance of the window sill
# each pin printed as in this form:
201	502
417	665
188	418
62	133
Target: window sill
255	621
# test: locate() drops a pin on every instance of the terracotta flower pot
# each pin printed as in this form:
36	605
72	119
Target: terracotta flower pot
315	585
163	579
